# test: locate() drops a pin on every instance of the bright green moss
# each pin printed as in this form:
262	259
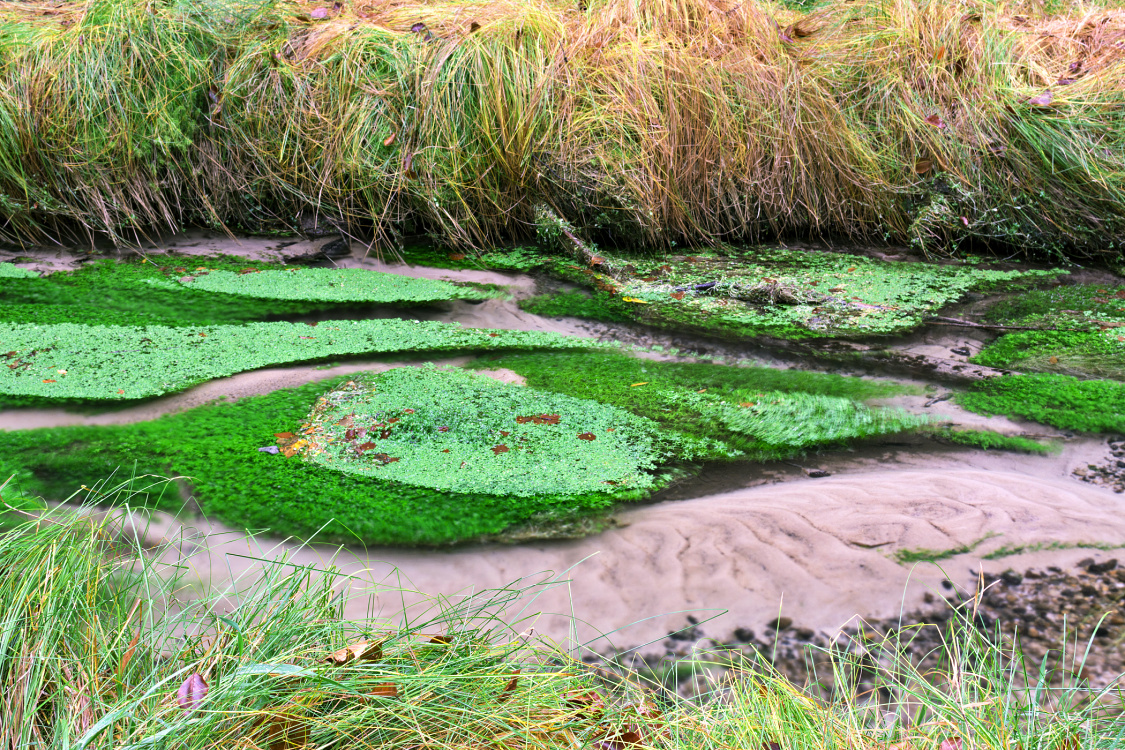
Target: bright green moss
703	399
1057	400
9	271
331	285
118	362
217	447
597	306
454	431
1086	307
990	440
1083	353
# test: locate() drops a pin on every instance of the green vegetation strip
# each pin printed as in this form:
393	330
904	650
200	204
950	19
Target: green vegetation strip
762	412
776	292
331	285
456	431
1058	400
989	440
217	447
68	360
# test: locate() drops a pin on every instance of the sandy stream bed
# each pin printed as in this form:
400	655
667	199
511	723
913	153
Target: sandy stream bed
753	541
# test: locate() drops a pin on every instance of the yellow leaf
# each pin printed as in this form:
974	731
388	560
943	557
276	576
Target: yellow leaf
634	385
634	299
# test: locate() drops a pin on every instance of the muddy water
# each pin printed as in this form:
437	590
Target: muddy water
741	543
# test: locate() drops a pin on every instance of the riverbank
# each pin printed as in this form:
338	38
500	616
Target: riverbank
645	124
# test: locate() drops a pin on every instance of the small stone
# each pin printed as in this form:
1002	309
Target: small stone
743	635
1099	568
806	634
1011	577
779	623
273	449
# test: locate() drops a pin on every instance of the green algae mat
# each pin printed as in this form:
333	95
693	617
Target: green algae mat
777	292
74	361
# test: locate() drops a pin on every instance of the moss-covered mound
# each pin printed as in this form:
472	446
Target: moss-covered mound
206	291
330	285
760	412
454	431
777	292
1057	400
217	447
75	361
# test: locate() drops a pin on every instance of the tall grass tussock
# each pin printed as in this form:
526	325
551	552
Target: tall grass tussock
107	645
640	122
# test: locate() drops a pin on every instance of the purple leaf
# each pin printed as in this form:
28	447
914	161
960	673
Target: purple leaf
319	13
192	692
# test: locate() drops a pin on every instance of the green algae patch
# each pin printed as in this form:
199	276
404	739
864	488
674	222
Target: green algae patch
353	285
9	271
784	293
991	440
73	361
1084	332
1058	400
451	430
217	447
1097	354
758	412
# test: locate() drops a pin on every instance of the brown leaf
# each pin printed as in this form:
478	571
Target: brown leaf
588	703
319	13
287	732
939	54
510	688
245	271
498	449
349	434
360	651
440	638
936	121
677	295
474	27
385	690
1043	100
587	436
365	447
192	692
597	260
1053	360
457	256
284	435
389	140
922	166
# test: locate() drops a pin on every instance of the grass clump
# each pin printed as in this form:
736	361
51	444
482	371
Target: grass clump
271	661
74	361
1086	307
1058	400
991	440
1079	353
462	131
231	480
779	292
785	410
452	430
331	285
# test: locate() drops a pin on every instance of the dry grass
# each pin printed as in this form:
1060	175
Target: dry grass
644	122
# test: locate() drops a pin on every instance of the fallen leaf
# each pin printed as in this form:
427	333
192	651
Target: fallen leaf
384	690
634	385
418	28
951	743
445	451
245	271
1043	100
437	638
120	391
286	732
457	256
597	260
360	651
634	299
510	688
939	54
677	295
50	381
319	13
349	434
747	403
770	745
474	27
587	436
389	140
192	692
922	166
936	121
493	335
498	449
1053	360
589	703
283	435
